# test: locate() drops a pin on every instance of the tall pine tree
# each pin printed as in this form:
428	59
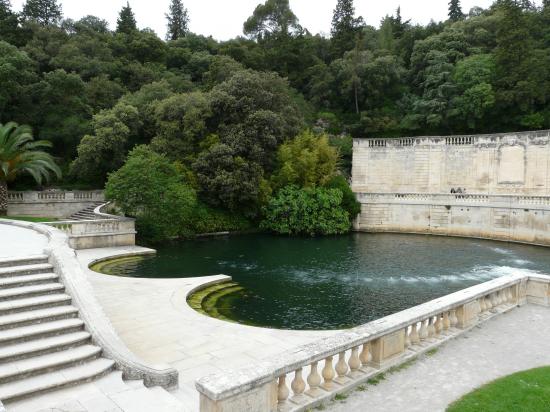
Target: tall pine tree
178	20
126	22
44	12
455	10
345	27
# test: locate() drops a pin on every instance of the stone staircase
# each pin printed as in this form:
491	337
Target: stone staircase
43	343
87	213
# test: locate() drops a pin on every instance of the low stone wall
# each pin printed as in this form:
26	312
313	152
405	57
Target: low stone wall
508	218
314	373
56	204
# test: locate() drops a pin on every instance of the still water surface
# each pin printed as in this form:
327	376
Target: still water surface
335	282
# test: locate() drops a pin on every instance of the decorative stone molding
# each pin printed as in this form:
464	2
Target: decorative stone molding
56	204
66	265
364	351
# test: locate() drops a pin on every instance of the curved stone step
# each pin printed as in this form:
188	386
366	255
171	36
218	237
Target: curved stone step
24	368
37	302
56	380
28	280
41	330
209	302
32	317
24	261
22	292
25	270
43	346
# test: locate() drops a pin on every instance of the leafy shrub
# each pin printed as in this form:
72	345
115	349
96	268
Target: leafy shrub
310	211
349	201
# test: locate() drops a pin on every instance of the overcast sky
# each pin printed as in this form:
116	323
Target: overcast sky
223	19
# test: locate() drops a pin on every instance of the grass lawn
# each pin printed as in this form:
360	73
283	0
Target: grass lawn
527	391
30	219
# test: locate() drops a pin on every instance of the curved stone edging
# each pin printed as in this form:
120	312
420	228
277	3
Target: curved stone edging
63	258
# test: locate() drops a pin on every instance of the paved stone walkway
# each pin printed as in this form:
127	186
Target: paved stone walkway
508	343
18	241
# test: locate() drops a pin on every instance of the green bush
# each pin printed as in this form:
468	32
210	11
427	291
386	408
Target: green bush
209	220
150	188
310	211
349	201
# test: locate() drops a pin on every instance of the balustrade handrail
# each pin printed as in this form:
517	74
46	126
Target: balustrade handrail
225	385
33	196
461	197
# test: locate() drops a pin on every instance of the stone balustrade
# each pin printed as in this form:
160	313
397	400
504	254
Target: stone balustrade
55	204
316	372
56	196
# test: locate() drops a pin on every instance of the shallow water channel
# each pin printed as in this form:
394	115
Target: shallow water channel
334	282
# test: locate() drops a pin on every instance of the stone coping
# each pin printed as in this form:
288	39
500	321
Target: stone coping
64	260
222	386
532	133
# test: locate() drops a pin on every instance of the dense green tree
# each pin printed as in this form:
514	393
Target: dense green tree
455	10
43	12
21	154
105	150
313	211
306	161
9	21
151	188
126	22
274	18
178	20
345	27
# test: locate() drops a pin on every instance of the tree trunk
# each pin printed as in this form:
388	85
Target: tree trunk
3	198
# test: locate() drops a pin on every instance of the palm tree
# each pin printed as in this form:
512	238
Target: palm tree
20	153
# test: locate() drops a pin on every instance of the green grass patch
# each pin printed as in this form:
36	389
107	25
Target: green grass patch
341	396
31	219
431	352
527	391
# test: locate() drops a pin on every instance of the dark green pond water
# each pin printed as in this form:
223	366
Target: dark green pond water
336	282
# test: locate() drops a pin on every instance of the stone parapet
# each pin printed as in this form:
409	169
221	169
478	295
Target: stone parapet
313	373
56	204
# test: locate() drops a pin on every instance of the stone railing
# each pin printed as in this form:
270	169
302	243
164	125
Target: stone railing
105	231
56	196
316	372
509	201
66	265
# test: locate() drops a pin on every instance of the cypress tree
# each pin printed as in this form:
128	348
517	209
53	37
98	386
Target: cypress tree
345	27
44	12
126	22
178	20
455	11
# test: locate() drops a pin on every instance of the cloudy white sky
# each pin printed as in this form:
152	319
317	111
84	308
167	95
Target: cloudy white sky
223	19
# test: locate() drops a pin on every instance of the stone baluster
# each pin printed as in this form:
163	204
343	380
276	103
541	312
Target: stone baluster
282	390
298	386
423	333
407	338
482	305
354	362
494	302
342	369
510	295
446	322
431	327
365	357
453	318
488	303
438	325
328	375
415	337
314	381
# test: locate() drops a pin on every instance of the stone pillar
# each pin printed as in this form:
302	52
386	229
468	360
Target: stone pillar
467	314
387	347
263	398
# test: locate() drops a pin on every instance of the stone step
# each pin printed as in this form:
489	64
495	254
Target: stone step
41	330
29	291
55	380
26	368
25	270
27	280
38	347
24	261
37	302
32	317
